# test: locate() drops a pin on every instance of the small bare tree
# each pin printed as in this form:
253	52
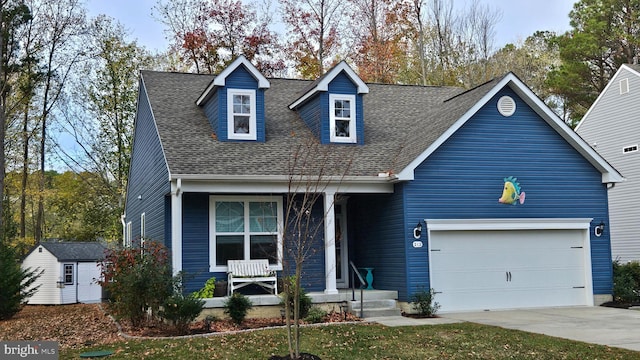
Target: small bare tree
313	170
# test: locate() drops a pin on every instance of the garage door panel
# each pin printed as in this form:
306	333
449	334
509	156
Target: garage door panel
474	270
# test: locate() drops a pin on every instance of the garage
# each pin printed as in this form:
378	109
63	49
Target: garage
510	263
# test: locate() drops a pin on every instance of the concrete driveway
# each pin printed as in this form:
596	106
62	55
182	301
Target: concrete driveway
597	325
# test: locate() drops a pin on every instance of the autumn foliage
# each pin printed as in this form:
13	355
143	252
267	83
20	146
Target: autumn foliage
138	280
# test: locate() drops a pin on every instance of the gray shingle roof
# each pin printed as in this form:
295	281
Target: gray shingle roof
75	251
400	123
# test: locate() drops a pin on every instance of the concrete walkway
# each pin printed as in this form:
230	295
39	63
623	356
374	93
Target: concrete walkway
596	325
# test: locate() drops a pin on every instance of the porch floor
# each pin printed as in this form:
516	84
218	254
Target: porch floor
316	297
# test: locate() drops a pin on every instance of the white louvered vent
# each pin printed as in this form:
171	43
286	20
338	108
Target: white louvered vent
506	106
624	86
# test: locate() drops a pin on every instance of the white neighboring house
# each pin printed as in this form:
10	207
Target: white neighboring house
70	272
612	128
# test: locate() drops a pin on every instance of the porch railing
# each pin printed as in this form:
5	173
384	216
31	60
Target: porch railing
354	271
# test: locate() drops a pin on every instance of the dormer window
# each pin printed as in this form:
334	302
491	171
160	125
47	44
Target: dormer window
342	118
241	118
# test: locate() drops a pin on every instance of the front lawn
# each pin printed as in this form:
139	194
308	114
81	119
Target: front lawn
362	341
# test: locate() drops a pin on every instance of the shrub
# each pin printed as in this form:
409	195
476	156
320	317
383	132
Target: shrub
207	291
289	295
138	279
315	315
626	281
181	310
423	302
237	307
15	282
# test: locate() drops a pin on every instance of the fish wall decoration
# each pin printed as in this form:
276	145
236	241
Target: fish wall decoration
511	192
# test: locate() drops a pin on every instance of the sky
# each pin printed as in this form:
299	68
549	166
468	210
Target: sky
520	18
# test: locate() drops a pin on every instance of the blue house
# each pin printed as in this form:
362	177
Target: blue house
484	195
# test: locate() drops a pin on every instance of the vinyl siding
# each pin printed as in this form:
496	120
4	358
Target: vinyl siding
240	78
611	125
148	176
48	293
463	179
311	114
377	225
211	110
341	84
195	240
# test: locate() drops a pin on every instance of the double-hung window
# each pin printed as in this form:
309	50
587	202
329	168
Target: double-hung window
342	118
241	110
244	228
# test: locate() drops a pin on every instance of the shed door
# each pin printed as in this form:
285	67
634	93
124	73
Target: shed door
88	288
502	269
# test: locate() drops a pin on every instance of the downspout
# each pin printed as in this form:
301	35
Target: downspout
124	228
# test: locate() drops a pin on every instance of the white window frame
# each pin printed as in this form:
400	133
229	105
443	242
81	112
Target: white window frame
352	138
128	235
246	199
630	149
624	86
64	274
252	135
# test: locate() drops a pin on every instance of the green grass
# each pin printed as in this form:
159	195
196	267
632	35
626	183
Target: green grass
364	341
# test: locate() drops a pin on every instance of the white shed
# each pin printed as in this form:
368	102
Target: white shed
71	271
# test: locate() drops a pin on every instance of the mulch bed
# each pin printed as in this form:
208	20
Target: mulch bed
79	325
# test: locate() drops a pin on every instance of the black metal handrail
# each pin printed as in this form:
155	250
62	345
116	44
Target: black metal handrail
354	270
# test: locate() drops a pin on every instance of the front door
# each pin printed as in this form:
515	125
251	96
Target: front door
342	265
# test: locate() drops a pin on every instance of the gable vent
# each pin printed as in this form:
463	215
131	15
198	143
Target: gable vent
506	106
624	86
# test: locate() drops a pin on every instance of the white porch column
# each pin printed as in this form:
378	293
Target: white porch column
176	226
330	243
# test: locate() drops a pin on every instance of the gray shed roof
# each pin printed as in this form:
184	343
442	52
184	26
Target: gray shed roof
75	251
400	122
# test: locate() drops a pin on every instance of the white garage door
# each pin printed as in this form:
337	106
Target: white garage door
503	269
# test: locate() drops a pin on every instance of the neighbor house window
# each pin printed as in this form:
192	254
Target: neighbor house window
629	149
245	228
241	109
68	274
342	118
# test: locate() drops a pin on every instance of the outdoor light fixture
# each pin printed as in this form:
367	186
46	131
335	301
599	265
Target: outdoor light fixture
417	231
599	229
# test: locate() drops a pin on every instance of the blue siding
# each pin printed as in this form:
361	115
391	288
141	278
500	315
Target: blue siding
211	110
148	176
195	240
241	78
463	179
376	228
311	114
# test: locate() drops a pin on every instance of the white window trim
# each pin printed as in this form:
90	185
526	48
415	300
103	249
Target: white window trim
252	135
624	86
64	274
128	235
142	226
352	120
630	149
212	228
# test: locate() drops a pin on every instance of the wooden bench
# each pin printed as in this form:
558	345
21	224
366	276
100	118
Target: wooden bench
241	273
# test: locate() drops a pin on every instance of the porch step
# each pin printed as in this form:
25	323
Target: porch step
375	308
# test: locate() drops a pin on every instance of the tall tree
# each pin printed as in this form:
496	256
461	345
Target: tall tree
313	28
13	15
211	34
378	28
61	25
605	34
106	96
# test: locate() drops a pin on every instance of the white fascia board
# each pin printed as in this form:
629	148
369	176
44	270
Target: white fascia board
220	79
606	89
323	85
508	224
280	184
609	174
